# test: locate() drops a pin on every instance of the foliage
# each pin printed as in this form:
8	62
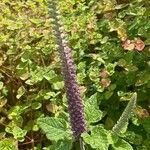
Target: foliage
124	118
55	128
111	48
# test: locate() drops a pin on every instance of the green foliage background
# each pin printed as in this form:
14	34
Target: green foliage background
33	106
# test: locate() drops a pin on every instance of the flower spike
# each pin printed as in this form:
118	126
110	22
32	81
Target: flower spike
75	105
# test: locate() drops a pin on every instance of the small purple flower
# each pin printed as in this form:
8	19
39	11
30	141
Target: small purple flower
75	105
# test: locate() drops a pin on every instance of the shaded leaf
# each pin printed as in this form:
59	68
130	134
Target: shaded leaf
146	124
61	145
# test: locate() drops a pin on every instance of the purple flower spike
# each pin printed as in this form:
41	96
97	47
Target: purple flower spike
75	105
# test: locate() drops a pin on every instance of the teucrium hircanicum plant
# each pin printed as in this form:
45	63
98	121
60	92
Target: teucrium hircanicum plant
125	115
75	105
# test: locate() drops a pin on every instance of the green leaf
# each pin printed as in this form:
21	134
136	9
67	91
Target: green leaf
80	77
58	85
92	112
18	133
36	105
36	21
8	144
122	145
99	138
20	92
36	76
142	78
2	134
121	125
49	95
111	68
146	124
133	138
49	75
16	111
64	145
1	85
55	128
35	128
3	101
61	145
94	73
119	26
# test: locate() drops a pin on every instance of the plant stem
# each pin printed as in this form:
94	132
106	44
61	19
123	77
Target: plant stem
81	144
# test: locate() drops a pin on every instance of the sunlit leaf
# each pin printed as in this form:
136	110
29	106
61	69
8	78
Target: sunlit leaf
54	128
122	145
99	138
20	92
8	144
92	112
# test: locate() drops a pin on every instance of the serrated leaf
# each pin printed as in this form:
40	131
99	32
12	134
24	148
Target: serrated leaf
99	138
121	124
64	145
8	144
122	145
92	112
133	137
18	133
55	128
61	145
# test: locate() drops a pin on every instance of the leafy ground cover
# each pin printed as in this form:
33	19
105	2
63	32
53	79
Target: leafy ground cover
111	48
